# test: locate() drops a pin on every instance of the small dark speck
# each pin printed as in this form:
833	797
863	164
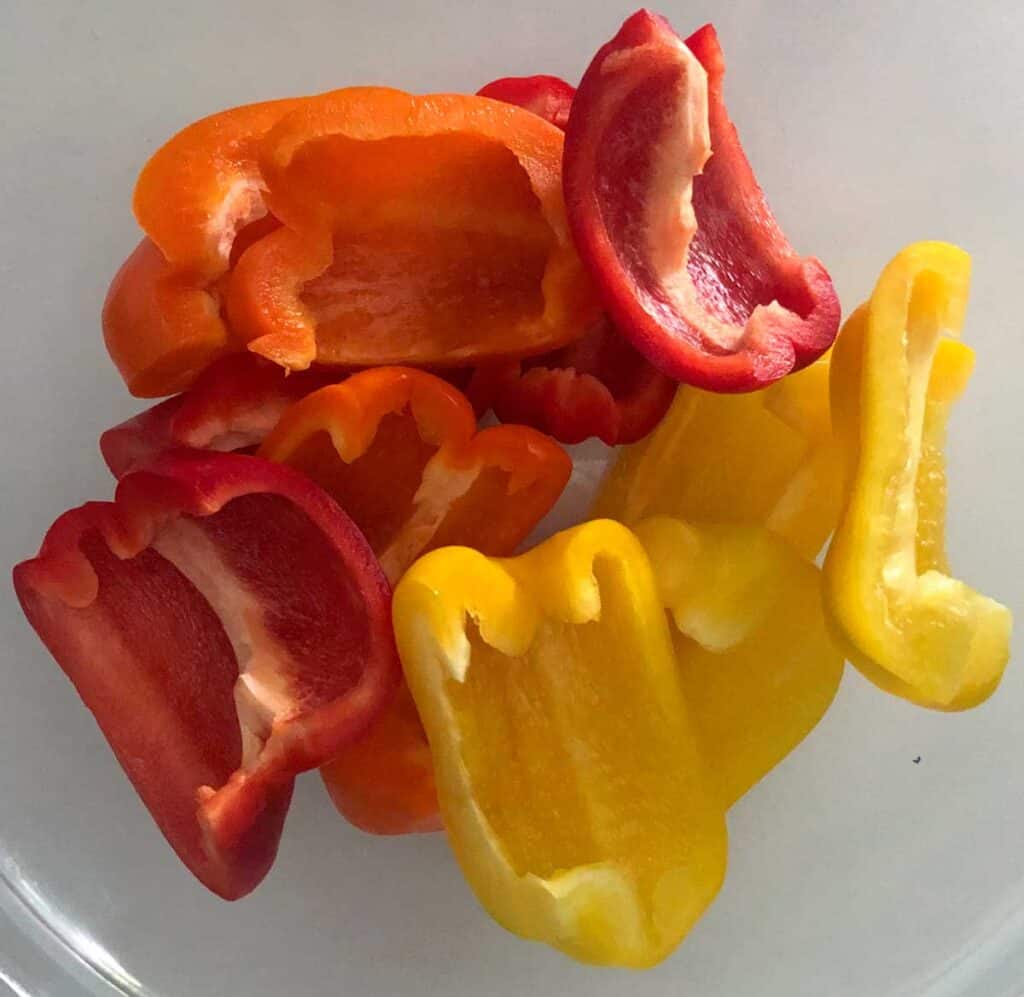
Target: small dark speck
917	761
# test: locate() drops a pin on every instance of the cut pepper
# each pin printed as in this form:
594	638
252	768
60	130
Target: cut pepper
228	626
905	622
689	262
758	665
598	832
199	199
419	229
231	406
399	450
549	97
598	386
766	458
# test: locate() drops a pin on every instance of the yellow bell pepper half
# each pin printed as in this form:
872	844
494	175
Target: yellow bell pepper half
767	457
759	667
907	625
567	763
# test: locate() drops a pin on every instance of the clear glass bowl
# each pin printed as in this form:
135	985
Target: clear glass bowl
883	858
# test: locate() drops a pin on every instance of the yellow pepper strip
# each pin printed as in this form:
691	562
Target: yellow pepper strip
766	457
758	665
908	626
567	765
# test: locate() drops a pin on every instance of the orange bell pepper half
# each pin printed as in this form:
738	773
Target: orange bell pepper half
417	229
399	450
200	201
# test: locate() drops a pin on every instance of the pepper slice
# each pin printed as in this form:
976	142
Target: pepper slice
420	229
231	406
757	662
905	622
228	627
598	833
549	97
195	197
598	386
399	450
689	262
766	458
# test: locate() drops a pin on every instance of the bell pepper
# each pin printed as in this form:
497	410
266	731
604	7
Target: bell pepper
228	626
231	406
549	97
418	229
688	260
598	386
200	200
758	665
767	458
399	450
598	832
905	622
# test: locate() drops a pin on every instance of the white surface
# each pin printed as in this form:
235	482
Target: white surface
854	871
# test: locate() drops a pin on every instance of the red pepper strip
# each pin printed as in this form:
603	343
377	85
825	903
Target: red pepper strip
549	97
232	405
687	258
399	450
229	627
598	386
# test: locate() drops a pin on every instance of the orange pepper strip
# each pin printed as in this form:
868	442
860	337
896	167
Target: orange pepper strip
418	229
399	450
200	201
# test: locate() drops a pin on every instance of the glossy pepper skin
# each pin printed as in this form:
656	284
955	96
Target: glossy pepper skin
549	97
757	661
199	200
228	627
417	229
904	621
764	458
400	452
688	260
598	833
598	386
231	406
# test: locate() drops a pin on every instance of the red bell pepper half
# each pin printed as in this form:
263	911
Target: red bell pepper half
231	406
686	255
598	386
229	627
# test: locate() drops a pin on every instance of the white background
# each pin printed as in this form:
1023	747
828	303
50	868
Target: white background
853	871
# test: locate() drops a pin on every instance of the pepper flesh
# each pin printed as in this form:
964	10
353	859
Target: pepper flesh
549	97
688	261
905	622
767	457
231	406
228	627
400	452
598	833
758	665
199	199
418	229
598	386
